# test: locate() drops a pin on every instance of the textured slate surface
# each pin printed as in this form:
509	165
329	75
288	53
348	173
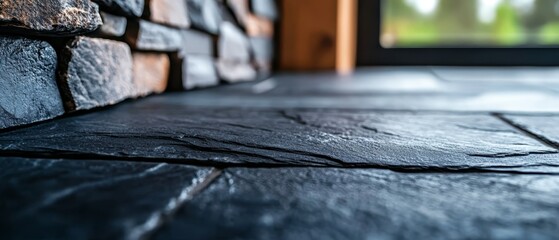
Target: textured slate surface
126	7
95	73
154	129
54	17
370	204
384	89
28	86
543	127
62	199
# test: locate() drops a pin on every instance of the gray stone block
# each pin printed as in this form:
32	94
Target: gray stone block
193	71
51	17
113	26
28	86
199	71
197	43
148	36
231	71
234	55
95	73
132	8
263	52
233	44
205	15
265	8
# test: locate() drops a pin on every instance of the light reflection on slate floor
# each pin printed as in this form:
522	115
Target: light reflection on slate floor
395	153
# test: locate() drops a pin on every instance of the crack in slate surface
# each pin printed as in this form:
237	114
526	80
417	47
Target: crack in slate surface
162	216
76	199
541	128
221	137
67	192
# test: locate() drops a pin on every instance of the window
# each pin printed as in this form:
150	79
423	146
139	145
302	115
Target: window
459	32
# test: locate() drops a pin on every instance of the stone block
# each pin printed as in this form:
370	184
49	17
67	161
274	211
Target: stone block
131	8
263	53
234	55
95	73
259	27
197	43
236	71
240	9
169	12
50	17
233	44
151	72
205	15
28	86
265	8
148	36
193	71
113	26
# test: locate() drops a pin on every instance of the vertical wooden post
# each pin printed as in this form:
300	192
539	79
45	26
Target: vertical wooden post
346	37
318	35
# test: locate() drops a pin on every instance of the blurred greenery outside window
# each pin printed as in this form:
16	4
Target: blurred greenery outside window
469	23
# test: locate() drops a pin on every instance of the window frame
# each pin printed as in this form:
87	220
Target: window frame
371	53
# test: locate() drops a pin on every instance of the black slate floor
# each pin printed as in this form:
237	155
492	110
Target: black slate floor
389	153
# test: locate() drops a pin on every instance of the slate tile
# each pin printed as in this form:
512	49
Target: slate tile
303	203
381	88
50	17
543	127
131	8
95	73
27	82
73	199
151	72
156	129
148	36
